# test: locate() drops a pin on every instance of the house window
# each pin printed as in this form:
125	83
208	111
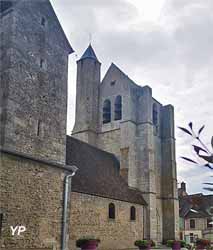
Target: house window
192	223
43	21
111	211
107	111
154	114
209	223
118	108
1	222
132	213
191	236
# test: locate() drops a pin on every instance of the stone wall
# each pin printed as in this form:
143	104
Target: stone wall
90	218
200	224
31	194
33	81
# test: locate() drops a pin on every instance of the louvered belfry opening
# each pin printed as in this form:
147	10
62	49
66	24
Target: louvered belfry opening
107	111
118	108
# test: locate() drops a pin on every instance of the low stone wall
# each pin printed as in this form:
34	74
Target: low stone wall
31	195
89	217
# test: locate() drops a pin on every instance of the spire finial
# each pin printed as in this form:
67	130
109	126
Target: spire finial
90	38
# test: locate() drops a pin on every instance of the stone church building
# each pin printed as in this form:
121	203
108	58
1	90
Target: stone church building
121	117
122	144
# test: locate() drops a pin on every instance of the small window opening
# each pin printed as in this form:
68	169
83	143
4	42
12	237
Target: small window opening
112	83
1	222
107	111
39	128
192	223
41	63
43	21
118	108
155	114
111	211
132	213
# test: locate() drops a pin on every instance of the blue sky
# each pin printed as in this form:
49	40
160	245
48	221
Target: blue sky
166	44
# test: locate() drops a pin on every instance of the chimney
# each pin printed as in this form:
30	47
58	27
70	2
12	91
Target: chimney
183	186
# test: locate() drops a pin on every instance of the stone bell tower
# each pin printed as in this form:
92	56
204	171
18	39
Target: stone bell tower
87	96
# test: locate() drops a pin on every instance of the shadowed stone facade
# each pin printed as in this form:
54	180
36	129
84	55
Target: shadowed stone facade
34	66
31	194
142	138
33	92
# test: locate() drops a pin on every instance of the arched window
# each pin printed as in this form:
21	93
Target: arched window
192	223
111	211
132	213
118	108
107	111
155	114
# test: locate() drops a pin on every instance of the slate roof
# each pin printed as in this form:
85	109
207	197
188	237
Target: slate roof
196	202
89	53
98	173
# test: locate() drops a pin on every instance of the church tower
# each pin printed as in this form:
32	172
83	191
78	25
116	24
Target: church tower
33	83
123	118
87	95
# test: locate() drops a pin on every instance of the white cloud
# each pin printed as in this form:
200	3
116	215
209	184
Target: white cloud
168	46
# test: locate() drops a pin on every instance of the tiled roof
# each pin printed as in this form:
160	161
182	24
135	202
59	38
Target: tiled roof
196	205
98	173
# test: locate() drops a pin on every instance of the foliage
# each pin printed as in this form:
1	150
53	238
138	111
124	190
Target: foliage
144	243
82	241
201	150
183	243
188	246
170	243
152	243
203	242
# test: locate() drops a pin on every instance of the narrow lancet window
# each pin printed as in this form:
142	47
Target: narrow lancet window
155	114
107	111
132	213
111	211
118	108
